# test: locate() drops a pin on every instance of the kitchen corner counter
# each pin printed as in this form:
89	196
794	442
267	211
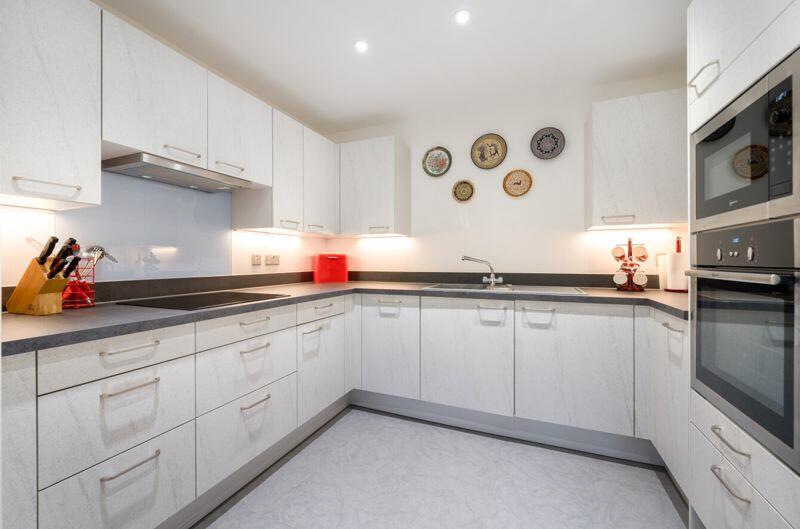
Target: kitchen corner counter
22	333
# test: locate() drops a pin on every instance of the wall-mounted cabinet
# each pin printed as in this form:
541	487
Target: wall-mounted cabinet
239	133
637	167
50	103
375	187
320	183
154	99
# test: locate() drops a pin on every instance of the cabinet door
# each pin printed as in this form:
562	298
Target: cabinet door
50	101
645	338
287	172
320	365
154	99
367	174
320	183
352	337
239	132
574	364
390	345
467	353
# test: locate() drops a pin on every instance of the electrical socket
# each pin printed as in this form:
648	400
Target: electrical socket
272	259
255	260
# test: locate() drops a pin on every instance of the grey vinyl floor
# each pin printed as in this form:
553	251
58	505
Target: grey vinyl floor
369	470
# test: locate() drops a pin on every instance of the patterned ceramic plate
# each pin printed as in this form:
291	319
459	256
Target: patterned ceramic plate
489	151
437	161
548	143
517	182
463	190
751	162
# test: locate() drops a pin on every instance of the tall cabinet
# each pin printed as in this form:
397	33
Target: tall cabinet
320	183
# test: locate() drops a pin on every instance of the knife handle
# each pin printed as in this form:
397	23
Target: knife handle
73	264
47	249
63	252
56	267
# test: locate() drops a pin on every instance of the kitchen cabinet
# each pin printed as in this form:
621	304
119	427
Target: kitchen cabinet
375	187
18	427
239	133
352	339
154	99
574	364
467	353
50	100
390	345
320	183
320	365
287	172
730	46
637	170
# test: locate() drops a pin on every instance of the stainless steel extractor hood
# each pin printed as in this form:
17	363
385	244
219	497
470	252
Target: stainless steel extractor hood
152	167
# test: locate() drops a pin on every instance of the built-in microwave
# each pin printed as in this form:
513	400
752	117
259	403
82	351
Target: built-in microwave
743	164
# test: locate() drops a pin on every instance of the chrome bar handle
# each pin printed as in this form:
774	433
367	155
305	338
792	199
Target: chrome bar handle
390	301
256	322
232	166
132	388
320	226
169	146
669	327
717	429
528	309
46	182
319	328
106	479
329	305
484	307
290	221
740	277
154	343
254	349
256	403
631	217
378	229
691	83
717	471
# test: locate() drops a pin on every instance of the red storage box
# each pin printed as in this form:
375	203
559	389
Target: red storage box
330	268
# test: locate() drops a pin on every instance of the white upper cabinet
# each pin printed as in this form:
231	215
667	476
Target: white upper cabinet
638	168
320	183
154	99
50	103
239	133
287	172
375	187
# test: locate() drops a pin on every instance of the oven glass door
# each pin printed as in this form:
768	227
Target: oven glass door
745	349
748	159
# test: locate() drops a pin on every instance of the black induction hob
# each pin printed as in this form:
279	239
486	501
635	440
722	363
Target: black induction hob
202	301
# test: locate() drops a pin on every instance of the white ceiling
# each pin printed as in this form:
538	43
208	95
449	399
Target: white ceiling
299	54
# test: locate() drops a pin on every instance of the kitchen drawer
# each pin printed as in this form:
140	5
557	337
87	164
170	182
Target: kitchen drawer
721	497
232	435
319	308
84	425
774	480
137	489
229	372
70	365
223	331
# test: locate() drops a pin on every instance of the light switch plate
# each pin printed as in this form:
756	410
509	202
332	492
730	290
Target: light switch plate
272	259
255	260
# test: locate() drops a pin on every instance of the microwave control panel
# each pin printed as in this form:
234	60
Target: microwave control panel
764	245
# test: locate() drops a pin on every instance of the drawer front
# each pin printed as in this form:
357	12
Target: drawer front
70	365
224	331
84	425
721	497
229	372
137	489
232	435
770	477
318	309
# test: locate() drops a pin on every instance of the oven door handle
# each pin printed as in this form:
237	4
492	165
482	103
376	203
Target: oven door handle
739	277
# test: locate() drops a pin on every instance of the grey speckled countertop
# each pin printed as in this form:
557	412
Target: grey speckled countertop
28	333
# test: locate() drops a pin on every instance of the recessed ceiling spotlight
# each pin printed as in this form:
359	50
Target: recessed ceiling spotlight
361	46
462	17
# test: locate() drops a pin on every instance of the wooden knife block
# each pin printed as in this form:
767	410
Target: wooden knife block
35	294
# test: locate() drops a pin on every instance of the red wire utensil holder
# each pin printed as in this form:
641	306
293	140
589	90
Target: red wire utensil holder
79	293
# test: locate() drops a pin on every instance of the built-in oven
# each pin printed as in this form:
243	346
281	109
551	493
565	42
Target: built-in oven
745	328
743	166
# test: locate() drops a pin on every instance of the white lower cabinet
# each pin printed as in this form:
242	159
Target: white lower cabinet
138	489
81	426
320	365
721	497
390	352
352	340
232	435
574	364
467	353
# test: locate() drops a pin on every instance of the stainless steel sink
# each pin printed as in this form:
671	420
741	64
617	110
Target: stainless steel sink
527	289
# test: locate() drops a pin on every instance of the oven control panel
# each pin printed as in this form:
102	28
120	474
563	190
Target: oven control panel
763	245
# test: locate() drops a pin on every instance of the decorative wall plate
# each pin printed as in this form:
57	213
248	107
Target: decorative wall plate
548	143
437	161
489	151
463	190
751	162
517	182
